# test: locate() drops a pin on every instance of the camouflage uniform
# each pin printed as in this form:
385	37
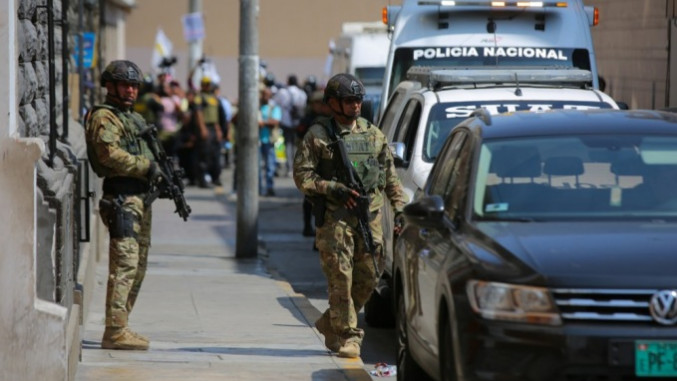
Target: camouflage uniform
124	160
345	262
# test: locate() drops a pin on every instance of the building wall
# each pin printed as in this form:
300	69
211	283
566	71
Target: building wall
44	266
294	35
632	43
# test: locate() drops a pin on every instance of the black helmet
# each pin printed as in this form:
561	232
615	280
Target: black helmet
343	86
269	80
122	70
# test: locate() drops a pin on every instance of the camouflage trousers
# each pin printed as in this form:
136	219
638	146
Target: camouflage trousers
129	226
350	272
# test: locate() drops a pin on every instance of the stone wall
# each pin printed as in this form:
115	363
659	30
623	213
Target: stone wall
42	165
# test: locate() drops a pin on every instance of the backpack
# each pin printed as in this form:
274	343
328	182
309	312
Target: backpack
296	112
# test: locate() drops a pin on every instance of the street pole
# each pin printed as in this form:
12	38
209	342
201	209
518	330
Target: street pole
247	134
195	46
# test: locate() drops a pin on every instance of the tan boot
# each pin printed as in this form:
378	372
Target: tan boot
139	336
331	340
122	338
350	349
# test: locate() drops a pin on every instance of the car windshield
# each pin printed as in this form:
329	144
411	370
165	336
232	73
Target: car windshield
444	116
581	177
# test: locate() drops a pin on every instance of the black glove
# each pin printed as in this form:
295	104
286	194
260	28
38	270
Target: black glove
341	192
399	223
155	174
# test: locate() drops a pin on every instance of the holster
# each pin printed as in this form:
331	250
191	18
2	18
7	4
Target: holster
120	222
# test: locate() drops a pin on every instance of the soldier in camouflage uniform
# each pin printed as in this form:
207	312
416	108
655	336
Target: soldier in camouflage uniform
347	265
127	165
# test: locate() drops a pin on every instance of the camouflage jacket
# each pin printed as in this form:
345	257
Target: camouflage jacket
314	149
113	147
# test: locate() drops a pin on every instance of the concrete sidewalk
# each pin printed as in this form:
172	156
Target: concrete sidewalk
208	315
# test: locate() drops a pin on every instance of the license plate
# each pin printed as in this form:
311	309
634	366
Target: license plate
655	358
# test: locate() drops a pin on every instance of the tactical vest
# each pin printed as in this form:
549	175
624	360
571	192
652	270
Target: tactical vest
210	108
132	124
362	150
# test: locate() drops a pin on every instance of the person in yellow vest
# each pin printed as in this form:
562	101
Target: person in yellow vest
207	108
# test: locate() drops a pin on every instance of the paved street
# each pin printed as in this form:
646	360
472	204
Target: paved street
212	317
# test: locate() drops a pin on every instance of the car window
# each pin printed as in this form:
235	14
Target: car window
582	177
443	168
458	181
407	126
385	124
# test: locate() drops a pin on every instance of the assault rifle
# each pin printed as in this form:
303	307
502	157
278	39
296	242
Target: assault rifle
353	182
173	186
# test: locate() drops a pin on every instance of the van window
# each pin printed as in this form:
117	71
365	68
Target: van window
370	76
385	124
408	126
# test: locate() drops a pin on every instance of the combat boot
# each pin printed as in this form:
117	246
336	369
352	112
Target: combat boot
123	338
350	349
331	340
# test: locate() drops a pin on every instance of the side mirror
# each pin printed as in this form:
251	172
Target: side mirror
398	149
623	105
426	211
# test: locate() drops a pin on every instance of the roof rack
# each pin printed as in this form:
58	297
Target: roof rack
436	76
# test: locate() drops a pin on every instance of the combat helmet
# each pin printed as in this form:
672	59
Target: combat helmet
342	86
122	70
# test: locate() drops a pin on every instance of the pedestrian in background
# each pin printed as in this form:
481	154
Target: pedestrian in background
208	109
292	100
316	108
269	122
224	120
170	118
124	160
320	174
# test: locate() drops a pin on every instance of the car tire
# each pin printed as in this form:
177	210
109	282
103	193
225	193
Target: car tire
407	368
446	361
378	311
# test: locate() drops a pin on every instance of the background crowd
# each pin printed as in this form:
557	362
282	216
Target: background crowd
197	125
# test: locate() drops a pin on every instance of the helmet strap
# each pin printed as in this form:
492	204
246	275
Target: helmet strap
350	118
114	96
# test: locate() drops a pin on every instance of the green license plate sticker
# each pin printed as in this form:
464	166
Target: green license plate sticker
655	358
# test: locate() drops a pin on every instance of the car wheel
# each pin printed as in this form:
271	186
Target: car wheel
378	312
447	368
407	368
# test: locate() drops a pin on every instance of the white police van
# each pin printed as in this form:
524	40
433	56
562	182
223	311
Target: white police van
488	33
362	50
432	101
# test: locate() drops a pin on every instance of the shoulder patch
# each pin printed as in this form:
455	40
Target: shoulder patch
108	136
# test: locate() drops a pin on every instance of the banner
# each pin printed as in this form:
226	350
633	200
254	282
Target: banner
193	27
161	51
88	53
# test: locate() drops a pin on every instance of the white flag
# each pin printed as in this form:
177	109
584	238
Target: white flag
163	49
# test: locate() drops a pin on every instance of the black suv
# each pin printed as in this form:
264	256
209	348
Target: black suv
542	247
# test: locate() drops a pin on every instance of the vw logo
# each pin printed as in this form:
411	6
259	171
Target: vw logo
663	307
